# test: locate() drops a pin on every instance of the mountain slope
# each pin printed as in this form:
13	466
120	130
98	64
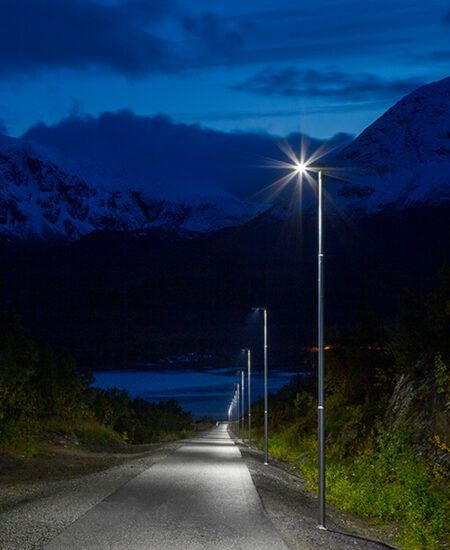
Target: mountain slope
403	158
45	193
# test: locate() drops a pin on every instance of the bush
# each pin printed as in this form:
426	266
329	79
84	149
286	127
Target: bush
42	391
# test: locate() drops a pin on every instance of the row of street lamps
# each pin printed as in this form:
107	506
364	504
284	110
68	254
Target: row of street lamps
299	168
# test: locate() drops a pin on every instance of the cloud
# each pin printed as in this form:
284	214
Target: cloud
212	34
3	128
446	18
295	83
126	36
435	56
39	34
141	37
158	151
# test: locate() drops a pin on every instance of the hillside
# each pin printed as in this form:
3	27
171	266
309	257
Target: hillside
403	158
46	194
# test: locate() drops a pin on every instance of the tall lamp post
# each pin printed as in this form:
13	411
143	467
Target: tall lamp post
266	405
249	397
301	168
233	414
238	408
242	404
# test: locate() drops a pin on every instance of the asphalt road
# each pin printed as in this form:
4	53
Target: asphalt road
200	497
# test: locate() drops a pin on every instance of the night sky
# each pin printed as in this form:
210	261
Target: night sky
273	66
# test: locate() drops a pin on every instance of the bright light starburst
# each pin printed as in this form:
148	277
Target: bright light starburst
302	166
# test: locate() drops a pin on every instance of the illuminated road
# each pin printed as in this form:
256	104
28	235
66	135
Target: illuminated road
200	497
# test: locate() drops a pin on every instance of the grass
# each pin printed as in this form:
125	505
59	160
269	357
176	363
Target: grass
382	481
175	436
88	432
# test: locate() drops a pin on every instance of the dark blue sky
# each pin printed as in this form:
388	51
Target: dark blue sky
276	66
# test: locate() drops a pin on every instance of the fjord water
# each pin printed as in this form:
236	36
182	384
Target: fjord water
202	392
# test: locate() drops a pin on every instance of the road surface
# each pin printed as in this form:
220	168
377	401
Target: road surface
200	497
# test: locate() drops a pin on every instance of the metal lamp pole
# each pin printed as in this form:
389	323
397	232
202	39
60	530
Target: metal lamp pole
266	404
301	168
242	403
238	408
233	410
249	397
321	401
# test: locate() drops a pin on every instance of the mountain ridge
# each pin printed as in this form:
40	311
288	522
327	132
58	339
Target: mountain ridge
45	193
400	160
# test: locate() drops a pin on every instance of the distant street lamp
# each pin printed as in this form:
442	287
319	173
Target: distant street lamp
266	405
238	408
249	398
242	404
302	168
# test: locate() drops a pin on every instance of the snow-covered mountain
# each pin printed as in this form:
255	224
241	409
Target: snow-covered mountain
403	158
45	193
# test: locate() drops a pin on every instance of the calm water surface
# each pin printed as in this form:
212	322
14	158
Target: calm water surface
203	393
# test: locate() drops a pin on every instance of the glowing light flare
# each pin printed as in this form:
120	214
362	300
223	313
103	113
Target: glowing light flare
298	171
300	168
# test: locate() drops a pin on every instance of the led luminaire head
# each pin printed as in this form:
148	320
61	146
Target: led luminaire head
300	167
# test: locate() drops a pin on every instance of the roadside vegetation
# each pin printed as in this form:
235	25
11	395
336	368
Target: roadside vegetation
387	424
42	393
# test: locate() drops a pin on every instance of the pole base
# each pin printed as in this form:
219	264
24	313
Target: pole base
266	463
322	528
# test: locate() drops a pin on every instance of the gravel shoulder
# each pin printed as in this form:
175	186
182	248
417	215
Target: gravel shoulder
42	496
294	510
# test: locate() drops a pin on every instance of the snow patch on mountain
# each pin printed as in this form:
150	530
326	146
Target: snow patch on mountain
46	193
403	158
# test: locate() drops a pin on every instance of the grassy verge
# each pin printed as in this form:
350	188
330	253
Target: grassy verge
89	433
382	481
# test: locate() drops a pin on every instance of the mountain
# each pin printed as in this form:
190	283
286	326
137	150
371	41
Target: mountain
118	297
403	158
46	193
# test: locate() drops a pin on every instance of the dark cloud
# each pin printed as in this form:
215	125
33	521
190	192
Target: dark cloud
36	34
213	35
3	128
156	150
126	36
120	36
293	82
438	56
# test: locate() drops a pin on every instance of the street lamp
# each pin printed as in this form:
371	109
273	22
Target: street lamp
249	398
266	406
234	410
242	403
302	168
238	408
